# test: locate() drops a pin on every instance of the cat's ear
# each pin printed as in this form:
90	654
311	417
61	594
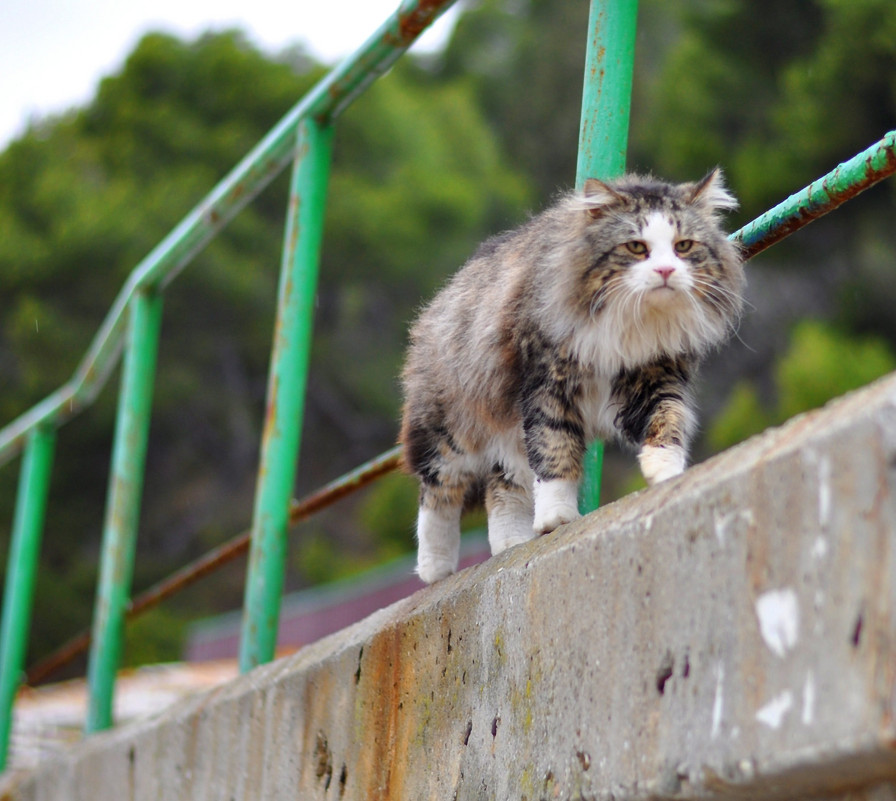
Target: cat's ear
598	195
712	193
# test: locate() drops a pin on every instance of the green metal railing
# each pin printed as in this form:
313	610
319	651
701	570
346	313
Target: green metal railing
303	137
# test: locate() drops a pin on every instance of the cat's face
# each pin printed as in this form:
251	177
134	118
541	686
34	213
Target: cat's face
661	269
667	263
658	261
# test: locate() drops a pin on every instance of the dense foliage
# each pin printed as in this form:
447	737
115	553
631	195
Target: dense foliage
437	155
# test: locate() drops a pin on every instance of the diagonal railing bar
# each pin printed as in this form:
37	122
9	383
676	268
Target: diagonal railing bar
842	183
329	98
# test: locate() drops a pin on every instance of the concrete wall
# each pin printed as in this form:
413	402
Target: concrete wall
729	634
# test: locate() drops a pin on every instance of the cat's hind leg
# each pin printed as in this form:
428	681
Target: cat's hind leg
509	508
431	453
438	530
438	543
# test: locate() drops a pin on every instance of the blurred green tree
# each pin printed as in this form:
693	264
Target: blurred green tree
777	92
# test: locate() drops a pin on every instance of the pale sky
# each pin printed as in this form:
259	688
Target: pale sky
54	52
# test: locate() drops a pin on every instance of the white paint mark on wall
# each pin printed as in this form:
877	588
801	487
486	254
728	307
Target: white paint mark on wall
819	548
779	619
824	491
772	714
727	523
809	699
717	706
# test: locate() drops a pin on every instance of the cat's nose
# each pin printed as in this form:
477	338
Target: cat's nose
665	273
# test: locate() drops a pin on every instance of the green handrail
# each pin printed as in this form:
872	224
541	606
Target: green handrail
843	183
137	309
123	504
264	162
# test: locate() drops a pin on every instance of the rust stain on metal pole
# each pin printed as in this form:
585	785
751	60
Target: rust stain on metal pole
417	20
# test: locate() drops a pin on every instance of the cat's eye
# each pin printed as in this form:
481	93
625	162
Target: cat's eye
637	247
684	245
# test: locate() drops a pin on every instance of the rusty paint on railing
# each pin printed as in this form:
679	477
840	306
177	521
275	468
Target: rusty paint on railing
287	378
842	183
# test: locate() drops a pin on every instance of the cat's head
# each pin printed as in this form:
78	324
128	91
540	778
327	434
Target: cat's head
659	264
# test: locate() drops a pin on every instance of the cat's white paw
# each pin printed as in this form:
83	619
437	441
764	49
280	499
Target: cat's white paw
555	518
659	462
438	544
556	503
431	569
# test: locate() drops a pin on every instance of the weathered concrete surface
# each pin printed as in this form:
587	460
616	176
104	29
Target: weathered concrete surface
728	634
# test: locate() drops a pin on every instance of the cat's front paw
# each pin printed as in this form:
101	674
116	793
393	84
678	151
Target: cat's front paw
555	518
556	503
434	569
659	462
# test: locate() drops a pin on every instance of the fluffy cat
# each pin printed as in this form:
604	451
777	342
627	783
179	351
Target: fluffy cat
587	321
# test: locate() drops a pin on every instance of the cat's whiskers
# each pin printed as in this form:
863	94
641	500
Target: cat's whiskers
599	300
606	295
725	307
714	286
638	316
736	299
705	300
722	299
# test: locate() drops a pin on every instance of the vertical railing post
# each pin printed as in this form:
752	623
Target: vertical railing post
603	136
286	394
123	504
21	571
